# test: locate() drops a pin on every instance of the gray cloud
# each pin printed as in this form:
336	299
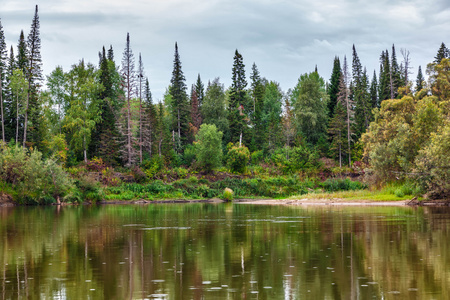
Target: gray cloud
285	38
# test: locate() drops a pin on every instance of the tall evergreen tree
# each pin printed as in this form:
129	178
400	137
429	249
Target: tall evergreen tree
360	95
129	86
257	95
344	97
149	121
238	102
442	53
3	66
106	135
34	76
200	90
333	88
395	78
374	91
384	80
22	54
420	80
271	117
179	105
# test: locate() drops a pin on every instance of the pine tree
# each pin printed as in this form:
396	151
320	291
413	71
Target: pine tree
333	88
105	136
129	86
271	117
442	53
384	80
420	80
200	90
360	96
257	95
238	102
179	105
149	121
395	75
374	91
34	76
22	54
3	65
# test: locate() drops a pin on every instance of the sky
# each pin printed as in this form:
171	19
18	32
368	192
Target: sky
284	38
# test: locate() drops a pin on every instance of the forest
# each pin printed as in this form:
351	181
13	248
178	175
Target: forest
94	132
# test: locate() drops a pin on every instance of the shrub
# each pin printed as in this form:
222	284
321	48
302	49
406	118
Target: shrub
227	194
208	146
237	159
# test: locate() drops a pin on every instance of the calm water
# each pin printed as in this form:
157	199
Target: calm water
205	251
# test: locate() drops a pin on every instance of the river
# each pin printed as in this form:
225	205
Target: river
224	251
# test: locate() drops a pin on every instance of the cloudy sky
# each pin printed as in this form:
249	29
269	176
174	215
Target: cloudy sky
285	38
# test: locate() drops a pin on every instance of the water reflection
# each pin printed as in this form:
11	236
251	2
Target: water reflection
204	251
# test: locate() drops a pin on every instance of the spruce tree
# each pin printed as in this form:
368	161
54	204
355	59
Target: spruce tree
22	54
105	136
200	90
3	66
34	76
374	91
360	96
395	80
179	105
149	120
344	97
384	80
257	95
129	85
442	53
420	80
238	103
333	88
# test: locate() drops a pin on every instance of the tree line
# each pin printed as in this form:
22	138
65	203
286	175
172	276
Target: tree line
106	110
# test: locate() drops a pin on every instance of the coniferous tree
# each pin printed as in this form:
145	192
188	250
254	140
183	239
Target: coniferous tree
129	85
3	66
10	107
420	80
333	88
149	121
106	135
384	80
238	103
442	53
374	91
179	105
257	94
22	54
395	75
360	96
34	76
200	90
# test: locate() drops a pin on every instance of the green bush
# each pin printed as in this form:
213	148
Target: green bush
208	147
35	180
237	159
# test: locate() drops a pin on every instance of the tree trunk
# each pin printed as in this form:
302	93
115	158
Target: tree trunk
17	118
26	116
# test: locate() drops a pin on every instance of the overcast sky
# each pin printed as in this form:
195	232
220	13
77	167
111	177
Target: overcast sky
285	38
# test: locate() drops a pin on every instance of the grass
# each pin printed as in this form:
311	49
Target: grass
388	193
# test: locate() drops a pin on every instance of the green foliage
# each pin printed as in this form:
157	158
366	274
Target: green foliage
237	158
35	180
208	146
336	184
227	194
257	157
294	159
